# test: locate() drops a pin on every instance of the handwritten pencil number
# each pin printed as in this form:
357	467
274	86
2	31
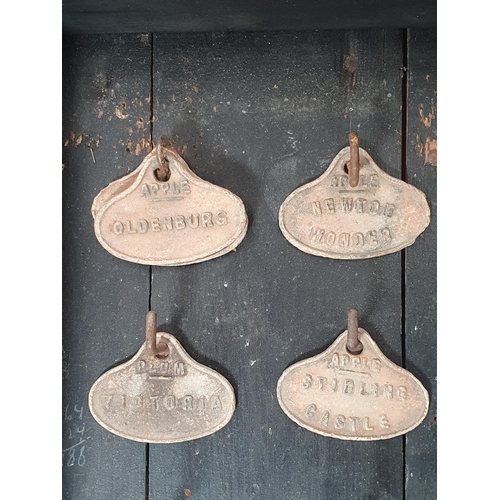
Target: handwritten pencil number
80	459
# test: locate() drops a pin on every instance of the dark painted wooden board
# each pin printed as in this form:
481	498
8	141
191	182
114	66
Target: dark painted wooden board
104	298
259	114
125	16
421	266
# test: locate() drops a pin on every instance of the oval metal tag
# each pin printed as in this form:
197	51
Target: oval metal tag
181	221
361	397
162	399
329	218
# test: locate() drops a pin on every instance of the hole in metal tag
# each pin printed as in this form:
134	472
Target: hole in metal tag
356	215
360	397
163	398
179	221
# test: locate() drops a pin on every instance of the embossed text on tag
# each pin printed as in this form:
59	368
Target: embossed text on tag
329	218
183	220
157	399
359	397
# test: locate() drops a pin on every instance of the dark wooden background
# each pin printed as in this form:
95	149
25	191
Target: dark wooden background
154	16
259	113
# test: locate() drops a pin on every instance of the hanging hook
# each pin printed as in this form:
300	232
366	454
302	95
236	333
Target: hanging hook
354	346
152	348
162	173
353	163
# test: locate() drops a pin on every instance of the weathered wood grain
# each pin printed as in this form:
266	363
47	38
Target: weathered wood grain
136	16
261	114
421	261
105	104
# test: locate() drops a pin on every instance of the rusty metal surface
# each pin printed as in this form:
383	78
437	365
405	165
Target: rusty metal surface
329	218
181	221
361	397
353	345
162	173
168	398
154	348
353	163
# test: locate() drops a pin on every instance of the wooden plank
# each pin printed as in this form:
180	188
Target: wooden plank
261	114
105	96
156	16
420	293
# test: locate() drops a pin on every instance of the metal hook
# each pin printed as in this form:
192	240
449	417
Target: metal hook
353	163
163	171
152	348
354	346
